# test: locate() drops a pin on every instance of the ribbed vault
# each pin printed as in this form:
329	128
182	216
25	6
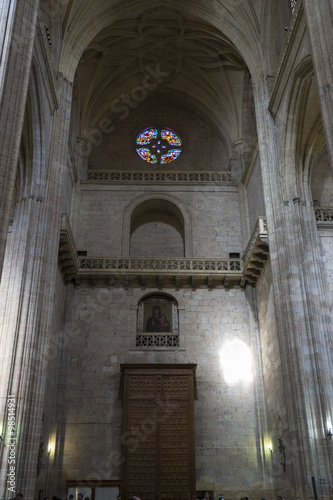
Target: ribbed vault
161	54
238	20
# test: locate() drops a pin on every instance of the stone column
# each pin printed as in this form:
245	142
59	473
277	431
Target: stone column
28	288
319	20
17	33
303	319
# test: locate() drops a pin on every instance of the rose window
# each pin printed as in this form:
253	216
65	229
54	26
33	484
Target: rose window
158	145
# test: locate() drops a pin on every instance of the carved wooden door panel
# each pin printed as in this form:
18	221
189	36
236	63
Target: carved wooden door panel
158	432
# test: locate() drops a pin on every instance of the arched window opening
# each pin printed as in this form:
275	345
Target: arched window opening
157	322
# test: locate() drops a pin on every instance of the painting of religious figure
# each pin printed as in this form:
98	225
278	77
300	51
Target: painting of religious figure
158	320
157	314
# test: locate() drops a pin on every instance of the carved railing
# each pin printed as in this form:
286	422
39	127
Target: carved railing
162	273
158	176
150	272
324	214
256	254
135	264
157	340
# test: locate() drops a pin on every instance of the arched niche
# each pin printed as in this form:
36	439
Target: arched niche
152	220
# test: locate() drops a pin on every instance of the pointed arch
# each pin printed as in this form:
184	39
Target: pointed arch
303	130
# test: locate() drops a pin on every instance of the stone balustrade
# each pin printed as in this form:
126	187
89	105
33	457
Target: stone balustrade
324	214
151	265
153	176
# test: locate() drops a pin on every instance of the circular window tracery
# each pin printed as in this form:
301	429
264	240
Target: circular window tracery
158	145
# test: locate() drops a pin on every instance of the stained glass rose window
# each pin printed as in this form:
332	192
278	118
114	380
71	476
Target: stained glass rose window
158	145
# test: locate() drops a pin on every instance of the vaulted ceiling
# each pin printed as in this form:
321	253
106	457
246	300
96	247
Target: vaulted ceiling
200	51
177	58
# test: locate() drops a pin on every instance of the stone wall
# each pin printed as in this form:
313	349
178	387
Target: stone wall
255	198
215	219
104	323
202	147
157	239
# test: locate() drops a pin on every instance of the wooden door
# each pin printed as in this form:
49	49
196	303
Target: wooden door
158	432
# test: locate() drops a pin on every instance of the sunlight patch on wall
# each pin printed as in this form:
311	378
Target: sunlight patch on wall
236	361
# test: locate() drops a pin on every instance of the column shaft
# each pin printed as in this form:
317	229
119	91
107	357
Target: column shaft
18	26
26	313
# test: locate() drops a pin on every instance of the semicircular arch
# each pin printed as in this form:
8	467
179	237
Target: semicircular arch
157	207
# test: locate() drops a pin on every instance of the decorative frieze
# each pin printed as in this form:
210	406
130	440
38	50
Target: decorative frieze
154	176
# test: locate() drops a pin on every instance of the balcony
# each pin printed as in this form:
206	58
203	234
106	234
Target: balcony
129	272
256	254
324	217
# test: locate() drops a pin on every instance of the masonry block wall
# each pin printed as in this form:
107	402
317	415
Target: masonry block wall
215	219
225	415
204	148
101	323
